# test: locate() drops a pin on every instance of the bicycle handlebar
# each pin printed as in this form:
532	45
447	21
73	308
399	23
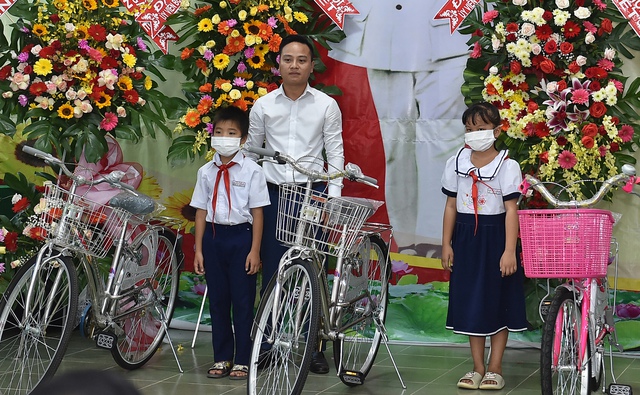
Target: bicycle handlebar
627	176
112	178
351	171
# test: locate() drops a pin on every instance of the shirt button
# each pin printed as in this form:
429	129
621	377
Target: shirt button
398	7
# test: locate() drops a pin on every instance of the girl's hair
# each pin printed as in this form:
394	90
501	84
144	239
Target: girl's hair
483	110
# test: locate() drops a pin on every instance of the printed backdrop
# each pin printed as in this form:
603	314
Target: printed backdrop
401	107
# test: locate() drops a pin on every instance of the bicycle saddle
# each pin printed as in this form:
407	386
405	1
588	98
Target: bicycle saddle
135	204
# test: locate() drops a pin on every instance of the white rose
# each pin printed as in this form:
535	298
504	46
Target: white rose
610	53
7	95
495	43
589	38
16	198
582	13
69	27
519	2
552	87
527	29
562	4
581	60
493	70
536	49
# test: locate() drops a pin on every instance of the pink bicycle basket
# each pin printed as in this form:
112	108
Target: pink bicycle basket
565	243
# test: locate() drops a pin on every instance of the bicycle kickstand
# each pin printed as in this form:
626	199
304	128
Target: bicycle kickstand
163	320
383	332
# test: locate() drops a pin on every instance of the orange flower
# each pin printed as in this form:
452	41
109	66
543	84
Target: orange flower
224	28
263	7
491	90
288	28
192	119
220	81
201	10
265	32
234	45
241	104
274	43
206	88
186	53
201	64
205	105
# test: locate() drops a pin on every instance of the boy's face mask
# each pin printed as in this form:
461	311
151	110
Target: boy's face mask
225	146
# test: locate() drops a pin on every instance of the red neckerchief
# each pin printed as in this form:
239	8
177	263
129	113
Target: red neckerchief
223	170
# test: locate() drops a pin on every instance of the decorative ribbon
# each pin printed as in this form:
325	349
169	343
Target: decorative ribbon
474	195
224	173
632	181
456	11
631	11
337	9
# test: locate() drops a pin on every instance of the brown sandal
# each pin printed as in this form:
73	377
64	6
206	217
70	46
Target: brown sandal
224	367
241	372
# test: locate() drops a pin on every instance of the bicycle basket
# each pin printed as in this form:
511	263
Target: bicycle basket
565	243
74	222
328	224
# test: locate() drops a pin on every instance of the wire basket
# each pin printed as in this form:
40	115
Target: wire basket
565	243
75	222
328	224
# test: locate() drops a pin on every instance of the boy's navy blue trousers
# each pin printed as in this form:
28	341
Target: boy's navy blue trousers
231	290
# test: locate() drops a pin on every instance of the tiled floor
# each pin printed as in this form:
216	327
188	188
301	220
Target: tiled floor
429	370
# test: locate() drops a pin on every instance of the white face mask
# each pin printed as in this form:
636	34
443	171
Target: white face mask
225	146
480	140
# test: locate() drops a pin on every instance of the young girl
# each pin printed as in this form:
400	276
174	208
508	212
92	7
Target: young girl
480	229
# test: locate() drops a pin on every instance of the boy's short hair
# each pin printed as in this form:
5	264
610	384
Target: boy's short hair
296	38
235	114
483	110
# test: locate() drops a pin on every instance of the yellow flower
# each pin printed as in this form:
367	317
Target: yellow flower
221	61
262	91
90	5
110	3
148	83
223	4
226	86
235	33
104	100
256	61
300	17
3	250
65	111
125	83
60	5
210	44
42	67
250	40
216	19
242	15
39	30
249	84
235	94
129	59
81	32
253	11
261	49
178	207
205	25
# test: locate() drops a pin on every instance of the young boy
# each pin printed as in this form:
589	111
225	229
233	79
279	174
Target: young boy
229	195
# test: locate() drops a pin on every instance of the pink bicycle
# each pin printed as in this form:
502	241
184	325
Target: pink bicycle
573	242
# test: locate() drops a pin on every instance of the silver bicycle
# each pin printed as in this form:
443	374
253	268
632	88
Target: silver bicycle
298	309
129	302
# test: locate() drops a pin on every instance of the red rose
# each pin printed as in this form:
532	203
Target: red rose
11	241
562	85
547	66
544	157
547	15
606	26
590	130
55	18
573	67
597	109
531	106
20	205
595	86
601	131
512	27
562	141
587	141
515	67
613	147
512	37
551	47
566	48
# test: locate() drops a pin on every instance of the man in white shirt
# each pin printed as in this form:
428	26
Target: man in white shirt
414	66
299	121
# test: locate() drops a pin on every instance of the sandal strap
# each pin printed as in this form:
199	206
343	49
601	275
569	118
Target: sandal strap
221	365
240	368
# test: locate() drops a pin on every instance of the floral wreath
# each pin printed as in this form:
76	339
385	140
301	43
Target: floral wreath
232	60
553	70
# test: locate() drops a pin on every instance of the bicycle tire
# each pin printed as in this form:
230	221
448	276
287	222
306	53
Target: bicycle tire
143	330
33	343
563	320
357	350
283	367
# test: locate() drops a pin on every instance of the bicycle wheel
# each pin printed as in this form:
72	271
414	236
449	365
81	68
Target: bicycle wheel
364	286
559	367
140	316
33	342
282	367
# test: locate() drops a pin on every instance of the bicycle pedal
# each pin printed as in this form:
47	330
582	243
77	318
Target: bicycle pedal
351	377
106	340
619	389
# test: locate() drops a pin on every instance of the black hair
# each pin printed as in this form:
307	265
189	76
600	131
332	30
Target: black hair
483	110
296	38
235	114
87	382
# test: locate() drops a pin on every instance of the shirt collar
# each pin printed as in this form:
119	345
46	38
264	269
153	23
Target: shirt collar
307	90
485	173
238	158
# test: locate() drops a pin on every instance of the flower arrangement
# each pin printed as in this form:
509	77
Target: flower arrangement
21	235
75	70
231	58
553	70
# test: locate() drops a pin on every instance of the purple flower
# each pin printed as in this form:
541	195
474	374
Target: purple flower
249	52
239	82
242	67
275	71
83	44
232	22
141	44
1	267
23	57
209	128
273	22
25	29
23	100
628	311
208	55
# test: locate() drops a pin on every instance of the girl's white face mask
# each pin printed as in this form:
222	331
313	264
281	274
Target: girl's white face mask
480	140
225	146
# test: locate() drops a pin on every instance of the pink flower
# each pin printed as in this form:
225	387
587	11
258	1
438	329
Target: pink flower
606	64
489	16
619	86
242	67
601	6
240	82
249	52
477	50
580	96
626	133
109	122
272	22
590	27
603	151
567	159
